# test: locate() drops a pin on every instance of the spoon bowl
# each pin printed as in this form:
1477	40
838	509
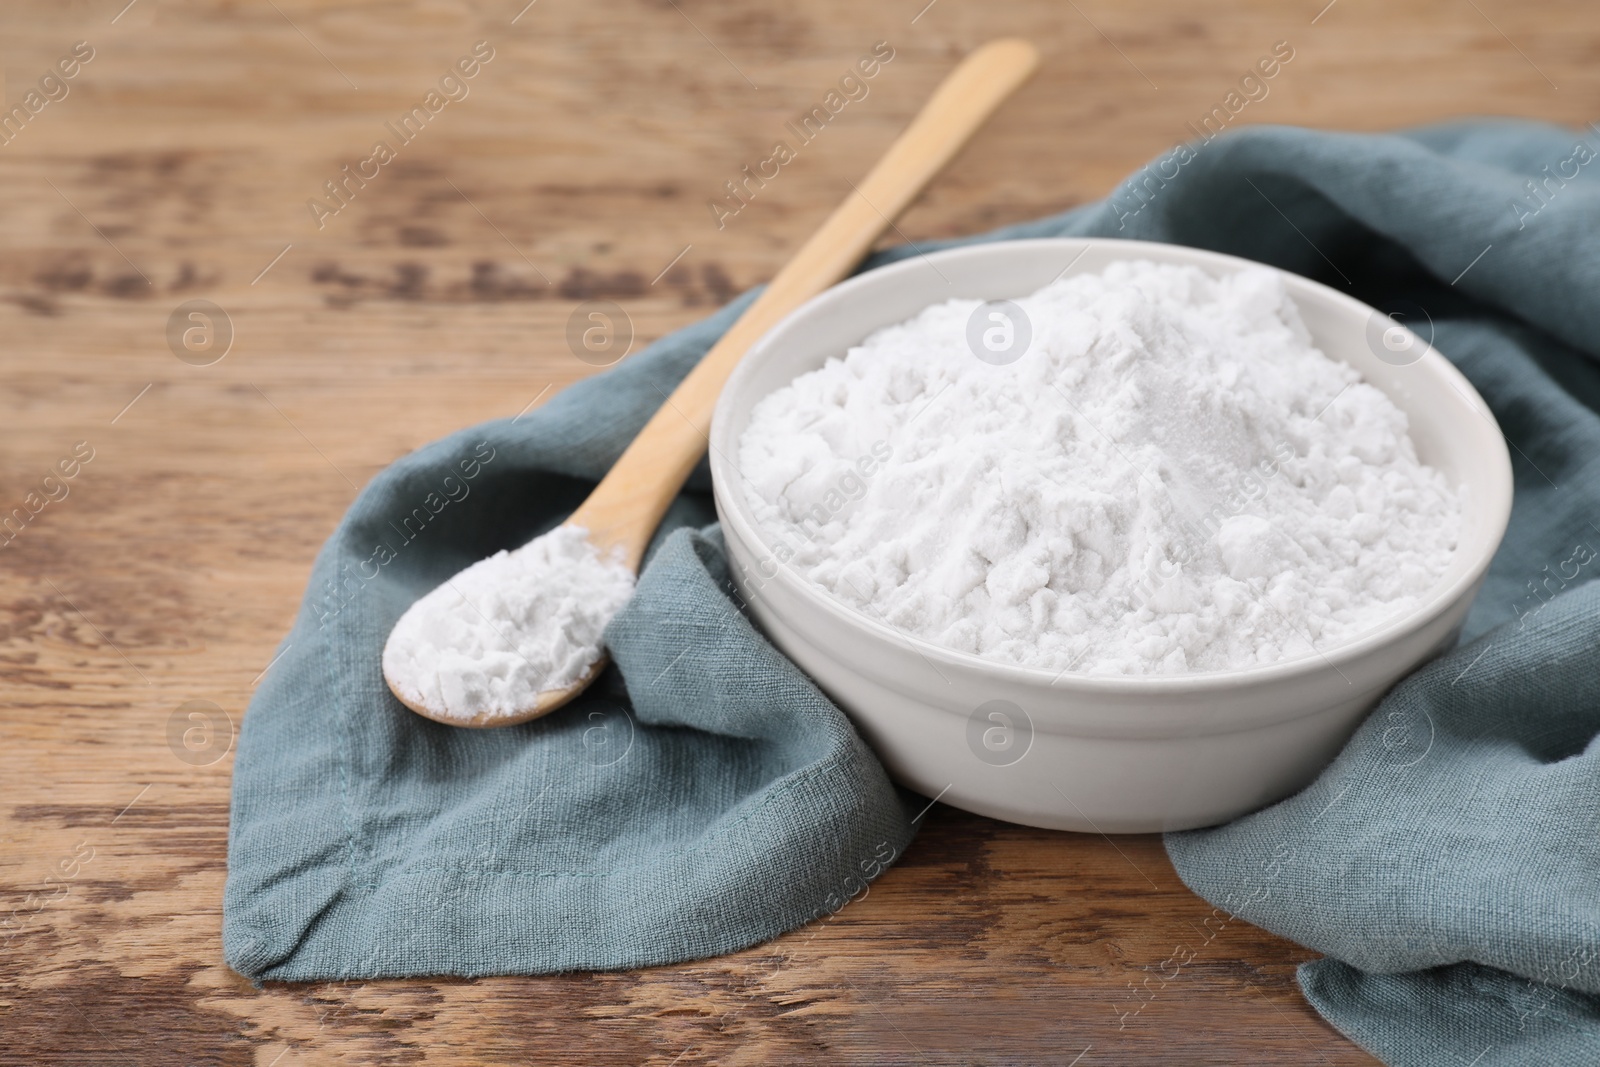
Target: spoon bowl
548	700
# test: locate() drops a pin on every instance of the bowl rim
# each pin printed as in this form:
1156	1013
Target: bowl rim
1439	599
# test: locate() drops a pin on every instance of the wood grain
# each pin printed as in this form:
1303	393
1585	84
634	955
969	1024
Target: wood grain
579	168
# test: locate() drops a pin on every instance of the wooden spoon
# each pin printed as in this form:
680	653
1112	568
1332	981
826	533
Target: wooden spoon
626	507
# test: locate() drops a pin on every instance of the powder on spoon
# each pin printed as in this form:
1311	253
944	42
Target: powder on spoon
491	639
1170	479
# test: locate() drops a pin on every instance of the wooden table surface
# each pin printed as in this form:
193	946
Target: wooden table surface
178	166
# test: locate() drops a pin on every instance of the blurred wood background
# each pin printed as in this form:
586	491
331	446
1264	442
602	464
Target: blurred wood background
177	166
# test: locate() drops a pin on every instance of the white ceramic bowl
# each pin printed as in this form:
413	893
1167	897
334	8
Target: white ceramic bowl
1107	754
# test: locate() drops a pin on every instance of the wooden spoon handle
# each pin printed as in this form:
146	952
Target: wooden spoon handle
627	506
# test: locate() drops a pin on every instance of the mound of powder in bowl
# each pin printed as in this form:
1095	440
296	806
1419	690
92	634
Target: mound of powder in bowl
488	641
1171	478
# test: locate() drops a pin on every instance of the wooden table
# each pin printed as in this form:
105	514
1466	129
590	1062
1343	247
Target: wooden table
178	167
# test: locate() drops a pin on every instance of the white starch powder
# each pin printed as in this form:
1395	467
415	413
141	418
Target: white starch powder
491	639
1170	479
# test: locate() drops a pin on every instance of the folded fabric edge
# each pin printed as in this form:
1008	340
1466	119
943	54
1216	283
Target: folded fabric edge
1464	1013
432	921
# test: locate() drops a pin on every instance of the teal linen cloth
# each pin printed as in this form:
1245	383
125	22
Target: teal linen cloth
711	801
707	797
